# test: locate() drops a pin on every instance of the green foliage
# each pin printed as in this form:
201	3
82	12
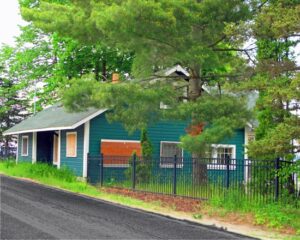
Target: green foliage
221	115
12	106
197	36
275	27
143	164
275	215
44	63
133	104
147	149
195	29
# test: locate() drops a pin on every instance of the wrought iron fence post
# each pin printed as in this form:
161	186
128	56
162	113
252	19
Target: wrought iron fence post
227	160
133	171
277	166
175	175
101	169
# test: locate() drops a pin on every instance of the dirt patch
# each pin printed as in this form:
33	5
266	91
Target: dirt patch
181	204
198	209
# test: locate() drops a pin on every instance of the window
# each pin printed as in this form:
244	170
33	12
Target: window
24	146
117	153
168	150
71	144
220	153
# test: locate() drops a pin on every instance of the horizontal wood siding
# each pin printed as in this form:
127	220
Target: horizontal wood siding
163	131
73	163
29	157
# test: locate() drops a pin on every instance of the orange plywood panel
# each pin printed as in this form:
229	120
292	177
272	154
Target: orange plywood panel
119	152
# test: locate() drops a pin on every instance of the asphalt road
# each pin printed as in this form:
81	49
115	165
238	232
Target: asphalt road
32	211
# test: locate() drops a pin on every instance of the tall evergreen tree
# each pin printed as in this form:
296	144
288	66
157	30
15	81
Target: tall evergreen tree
196	34
160	33
277	79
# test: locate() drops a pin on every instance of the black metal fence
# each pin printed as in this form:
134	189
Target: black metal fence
204	178
6	153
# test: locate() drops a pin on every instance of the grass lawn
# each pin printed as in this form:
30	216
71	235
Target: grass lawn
275	216
65	179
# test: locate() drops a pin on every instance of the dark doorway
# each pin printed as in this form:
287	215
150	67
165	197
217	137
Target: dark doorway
45	147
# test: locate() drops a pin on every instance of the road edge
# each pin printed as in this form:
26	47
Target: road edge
213	226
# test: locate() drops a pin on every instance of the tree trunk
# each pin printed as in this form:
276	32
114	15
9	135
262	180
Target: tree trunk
199	171
195	86
199	166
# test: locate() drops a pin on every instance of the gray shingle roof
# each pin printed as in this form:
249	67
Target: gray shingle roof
54	118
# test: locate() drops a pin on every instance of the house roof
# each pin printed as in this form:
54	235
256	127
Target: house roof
53	118
177	69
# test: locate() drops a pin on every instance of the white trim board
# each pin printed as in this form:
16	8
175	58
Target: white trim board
177	68
86	143
116	140
59	149
75	125
34	147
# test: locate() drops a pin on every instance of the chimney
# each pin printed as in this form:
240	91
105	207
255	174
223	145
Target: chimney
115	78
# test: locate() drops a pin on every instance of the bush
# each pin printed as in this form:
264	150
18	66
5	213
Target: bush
143	166
142	172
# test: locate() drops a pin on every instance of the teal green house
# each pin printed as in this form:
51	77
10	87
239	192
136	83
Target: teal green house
61	138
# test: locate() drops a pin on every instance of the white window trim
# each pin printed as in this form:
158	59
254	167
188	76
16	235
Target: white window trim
118	140
223	166
116	165
70	133
167	165
22	154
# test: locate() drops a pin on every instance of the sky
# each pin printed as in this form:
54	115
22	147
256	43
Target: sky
9	20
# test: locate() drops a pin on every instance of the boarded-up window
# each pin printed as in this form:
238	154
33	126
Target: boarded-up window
71	144
168	151
118	152
24	146
55	149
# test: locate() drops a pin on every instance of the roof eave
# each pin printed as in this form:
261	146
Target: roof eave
60	127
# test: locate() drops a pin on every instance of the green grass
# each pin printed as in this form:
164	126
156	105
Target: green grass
274	215
65	179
